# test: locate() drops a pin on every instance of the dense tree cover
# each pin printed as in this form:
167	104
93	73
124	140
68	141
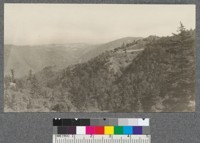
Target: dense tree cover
163	73
150	74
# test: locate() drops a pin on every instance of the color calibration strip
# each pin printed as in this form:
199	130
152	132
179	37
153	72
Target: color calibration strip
102	122
111	126
109	130
102	130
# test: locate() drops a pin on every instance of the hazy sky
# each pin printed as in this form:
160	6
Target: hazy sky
33	24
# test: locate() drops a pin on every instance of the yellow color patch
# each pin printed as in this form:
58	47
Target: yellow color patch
108	130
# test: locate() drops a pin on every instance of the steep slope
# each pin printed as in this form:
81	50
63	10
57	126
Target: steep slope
90	84
107	47
161	78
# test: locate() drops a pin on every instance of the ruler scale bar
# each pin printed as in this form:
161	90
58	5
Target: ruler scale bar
101	139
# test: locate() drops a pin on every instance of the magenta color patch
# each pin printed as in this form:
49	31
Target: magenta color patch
90	130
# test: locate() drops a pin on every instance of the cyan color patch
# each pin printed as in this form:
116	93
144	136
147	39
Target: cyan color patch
128	130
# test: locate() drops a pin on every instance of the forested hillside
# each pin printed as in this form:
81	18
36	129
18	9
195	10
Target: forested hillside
153	74
161	78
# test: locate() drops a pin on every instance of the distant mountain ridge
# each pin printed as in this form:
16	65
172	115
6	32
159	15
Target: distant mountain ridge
35	58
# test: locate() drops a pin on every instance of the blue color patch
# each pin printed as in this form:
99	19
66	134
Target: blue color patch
128	130
137	130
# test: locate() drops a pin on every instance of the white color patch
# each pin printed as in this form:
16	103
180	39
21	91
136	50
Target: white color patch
143	122
81	130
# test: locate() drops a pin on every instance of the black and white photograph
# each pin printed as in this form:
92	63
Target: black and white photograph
99	58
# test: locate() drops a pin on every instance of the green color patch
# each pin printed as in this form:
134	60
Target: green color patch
118	130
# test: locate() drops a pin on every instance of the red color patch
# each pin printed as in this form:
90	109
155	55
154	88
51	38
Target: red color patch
99	130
